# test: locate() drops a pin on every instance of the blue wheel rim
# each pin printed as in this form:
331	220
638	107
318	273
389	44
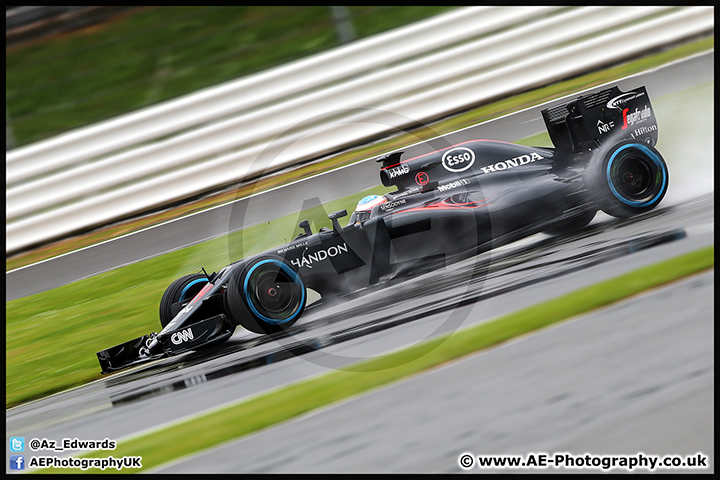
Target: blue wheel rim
187	287
658	163
292	274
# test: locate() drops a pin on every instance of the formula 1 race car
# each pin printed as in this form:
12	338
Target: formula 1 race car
449	204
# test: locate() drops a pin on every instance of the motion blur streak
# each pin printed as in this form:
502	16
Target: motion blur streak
676	88
636	376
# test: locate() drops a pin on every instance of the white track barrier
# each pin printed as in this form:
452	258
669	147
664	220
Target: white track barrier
309	108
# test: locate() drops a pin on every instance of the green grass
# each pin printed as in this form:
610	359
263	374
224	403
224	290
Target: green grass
52	337
247	416
51	344
472	117
157	53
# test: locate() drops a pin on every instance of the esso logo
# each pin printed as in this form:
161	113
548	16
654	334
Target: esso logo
458	159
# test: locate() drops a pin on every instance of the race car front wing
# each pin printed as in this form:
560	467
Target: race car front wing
164	344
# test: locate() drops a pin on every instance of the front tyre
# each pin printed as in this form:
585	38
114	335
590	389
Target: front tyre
265	296
180	292
628	179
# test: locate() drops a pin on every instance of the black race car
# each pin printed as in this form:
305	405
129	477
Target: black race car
449	204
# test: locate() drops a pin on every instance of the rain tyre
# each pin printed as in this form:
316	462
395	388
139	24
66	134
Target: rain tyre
266	295
628	179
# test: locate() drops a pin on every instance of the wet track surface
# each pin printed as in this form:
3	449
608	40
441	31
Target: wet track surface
338	183
549	392
637	376
330	336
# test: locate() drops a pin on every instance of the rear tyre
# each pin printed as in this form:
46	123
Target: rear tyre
265	296
628	179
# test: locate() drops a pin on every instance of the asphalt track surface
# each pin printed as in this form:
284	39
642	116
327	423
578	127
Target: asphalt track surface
405	313
637	376
330	186
605	383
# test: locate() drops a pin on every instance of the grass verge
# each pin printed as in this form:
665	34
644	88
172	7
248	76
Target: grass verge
52	336
152	54
247	416
480	114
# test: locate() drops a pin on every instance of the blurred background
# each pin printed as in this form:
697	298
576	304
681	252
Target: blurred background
124	119
67	67
114	113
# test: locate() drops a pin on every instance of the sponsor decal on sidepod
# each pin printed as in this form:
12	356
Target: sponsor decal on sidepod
458	159
320	255
513	162
455	184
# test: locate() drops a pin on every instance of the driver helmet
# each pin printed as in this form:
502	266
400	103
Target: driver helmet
365	206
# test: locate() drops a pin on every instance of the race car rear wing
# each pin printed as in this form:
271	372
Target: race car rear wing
589	120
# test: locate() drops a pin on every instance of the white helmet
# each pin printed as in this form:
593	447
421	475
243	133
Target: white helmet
365	206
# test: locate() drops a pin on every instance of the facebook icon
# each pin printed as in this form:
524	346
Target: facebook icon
17	462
